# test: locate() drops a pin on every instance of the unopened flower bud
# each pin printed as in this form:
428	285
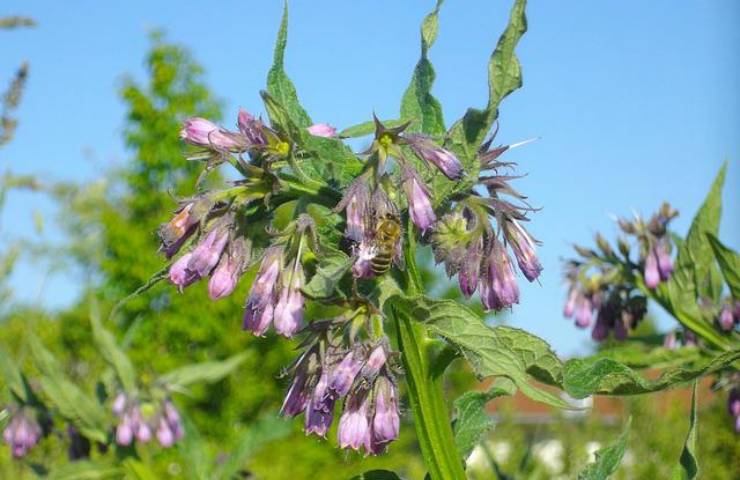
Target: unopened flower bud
322	130
206	255
726	319
21	433
289	308
420	205
652	275
203	133
524	250
180	275
342	376
470	268
355	203
428	151
258	313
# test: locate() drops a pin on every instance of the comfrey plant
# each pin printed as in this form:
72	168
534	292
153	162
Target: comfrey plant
328	240
609	288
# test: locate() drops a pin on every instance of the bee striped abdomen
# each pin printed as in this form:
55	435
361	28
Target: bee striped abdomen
381	262
386	238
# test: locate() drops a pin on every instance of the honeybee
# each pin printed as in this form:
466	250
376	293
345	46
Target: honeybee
387	234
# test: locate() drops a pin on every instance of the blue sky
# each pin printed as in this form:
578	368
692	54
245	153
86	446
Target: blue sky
635	102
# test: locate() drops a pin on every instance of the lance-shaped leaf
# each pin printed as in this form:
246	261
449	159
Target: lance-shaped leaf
278	83
498	351
588	376
607	459
418	101
329	272
112	353
255	437
471	419
696	272
729	264
504	76
688	467
210	372
13	378
87	415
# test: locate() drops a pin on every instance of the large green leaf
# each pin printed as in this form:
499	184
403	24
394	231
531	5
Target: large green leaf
504	76
112	353
472	420
498	351
418	101
688	467
210	372
256	437
588	376
78	408
729	264
329	272
607	459
278	83
696	273
636	355
696	252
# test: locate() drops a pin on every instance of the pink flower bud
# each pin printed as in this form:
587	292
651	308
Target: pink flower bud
354	427
322	130
420	206
180	275
203	133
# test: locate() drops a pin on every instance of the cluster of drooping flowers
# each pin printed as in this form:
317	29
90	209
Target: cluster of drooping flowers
654	244
290	211
466	241
143	420
22	432
362	375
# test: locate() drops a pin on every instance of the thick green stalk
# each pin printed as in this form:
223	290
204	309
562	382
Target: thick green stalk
431	418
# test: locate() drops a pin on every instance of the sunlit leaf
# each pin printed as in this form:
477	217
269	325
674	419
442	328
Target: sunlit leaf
492	351
471	419
587	376
418	101
729	264
210	372
688	467
607	459
329	272
73	404
278	83
112	353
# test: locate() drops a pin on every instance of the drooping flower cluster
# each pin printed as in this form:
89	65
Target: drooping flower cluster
467	243
654	244
143	420
360	374
22	432
283	217
601	289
